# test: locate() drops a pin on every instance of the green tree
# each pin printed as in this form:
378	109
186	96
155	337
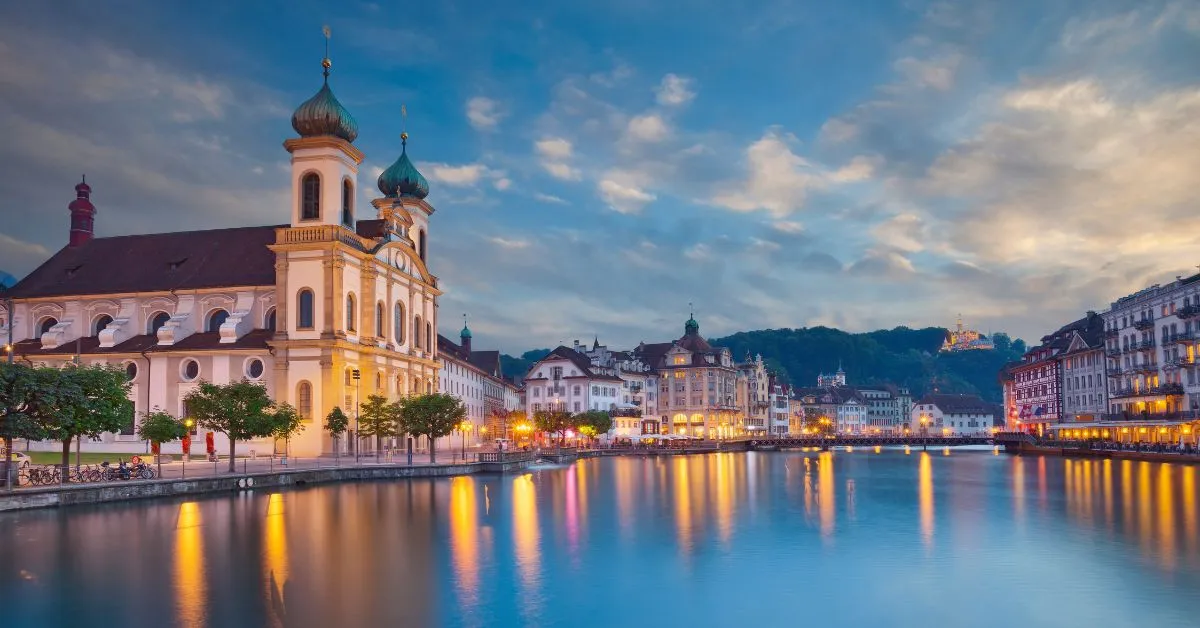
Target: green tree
377	417
18	393
434	415
160	427
86	401
240	410
1002	342
336	423
286	422
554	422
593	423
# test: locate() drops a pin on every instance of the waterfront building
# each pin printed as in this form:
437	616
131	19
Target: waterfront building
696	384
567	381
844	406
636	411
326	306
752	395
963	339
1084	385
780	405
862	410
1036	396
953	415
888	408
475	378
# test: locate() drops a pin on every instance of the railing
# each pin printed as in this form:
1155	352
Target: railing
1144	367
321	233
1145	344
505	456
1143	324
1113	370
1185	336
1187	311
1111	333
1184	415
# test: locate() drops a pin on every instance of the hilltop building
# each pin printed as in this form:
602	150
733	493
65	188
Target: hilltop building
332	303
963	339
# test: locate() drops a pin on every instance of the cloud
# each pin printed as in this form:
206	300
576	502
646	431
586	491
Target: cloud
503	183
904	232
561	171
511	244
882	264
483	113
698	252
17	256
555	148
465	175
623	198
790	227
674	90
779	180
935	72
549	198
647	128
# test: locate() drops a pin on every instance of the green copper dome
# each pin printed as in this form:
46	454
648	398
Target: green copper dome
691	326
465	333
402	178
324	115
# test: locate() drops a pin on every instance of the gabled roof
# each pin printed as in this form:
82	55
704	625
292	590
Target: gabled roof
578	359
958	404
488	362
157	262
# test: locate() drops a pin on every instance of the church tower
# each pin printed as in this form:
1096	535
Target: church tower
83	214
324	160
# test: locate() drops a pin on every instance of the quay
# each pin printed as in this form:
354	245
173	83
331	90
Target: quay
1024	443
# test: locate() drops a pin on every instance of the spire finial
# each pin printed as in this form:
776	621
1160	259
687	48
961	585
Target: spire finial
326	63
403	127
691	310
84	177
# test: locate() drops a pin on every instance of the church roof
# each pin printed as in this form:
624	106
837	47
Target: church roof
958	404
157	262
402	178
255	339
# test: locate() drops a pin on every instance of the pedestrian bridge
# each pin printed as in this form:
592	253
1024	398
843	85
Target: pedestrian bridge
772	444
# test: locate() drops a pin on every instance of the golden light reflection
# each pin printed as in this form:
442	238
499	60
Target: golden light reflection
1107	480
826	495
625	485
275	559
1145	517
1190	531
191	591
1166	514
1019	488
525	532
464	527
724	489
683	504
925	497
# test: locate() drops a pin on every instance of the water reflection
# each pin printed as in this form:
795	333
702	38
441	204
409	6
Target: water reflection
573	546
191	593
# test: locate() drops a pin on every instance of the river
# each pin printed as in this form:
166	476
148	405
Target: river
862	538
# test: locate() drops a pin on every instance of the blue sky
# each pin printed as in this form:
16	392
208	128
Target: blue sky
598	166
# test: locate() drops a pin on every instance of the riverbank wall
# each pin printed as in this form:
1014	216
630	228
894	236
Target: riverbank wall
56	496
1071	452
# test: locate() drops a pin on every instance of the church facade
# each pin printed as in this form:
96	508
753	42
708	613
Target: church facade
334	304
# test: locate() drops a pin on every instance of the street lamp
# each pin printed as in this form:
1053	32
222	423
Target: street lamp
357	388
924	432
465	427
187	451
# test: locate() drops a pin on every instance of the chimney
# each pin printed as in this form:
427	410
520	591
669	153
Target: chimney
82	214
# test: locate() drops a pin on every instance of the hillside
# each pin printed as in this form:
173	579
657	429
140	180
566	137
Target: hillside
903	356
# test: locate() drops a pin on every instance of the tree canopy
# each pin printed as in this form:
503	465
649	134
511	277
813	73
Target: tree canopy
433	415
240	410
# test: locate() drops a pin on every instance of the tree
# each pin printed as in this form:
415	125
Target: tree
377	417
336	423
18	386
553	422
240	410
85	401
1002	342
1018	345
160	427
286	422
433	415
593	423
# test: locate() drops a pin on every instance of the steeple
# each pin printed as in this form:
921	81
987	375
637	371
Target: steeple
691	327
82	214
465	336
322	114
402	179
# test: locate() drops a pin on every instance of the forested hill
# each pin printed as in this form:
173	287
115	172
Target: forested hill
902	356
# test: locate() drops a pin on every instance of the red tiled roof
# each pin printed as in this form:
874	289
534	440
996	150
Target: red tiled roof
157	262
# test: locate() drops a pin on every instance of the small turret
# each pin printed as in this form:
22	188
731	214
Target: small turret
83	214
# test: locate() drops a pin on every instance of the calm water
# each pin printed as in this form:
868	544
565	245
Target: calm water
845	539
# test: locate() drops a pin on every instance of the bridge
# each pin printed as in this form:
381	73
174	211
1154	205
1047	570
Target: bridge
773	444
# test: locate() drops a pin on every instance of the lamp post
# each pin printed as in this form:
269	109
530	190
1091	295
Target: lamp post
465	427
924	433
357	375
187	451
8	314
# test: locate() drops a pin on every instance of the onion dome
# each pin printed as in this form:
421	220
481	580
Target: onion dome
691	327
465	333
324	115
83	193
401	179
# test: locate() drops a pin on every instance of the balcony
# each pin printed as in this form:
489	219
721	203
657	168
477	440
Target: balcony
1170	389
1144	367
1188	311
1186	336
1111	333
1113	352
1143	324
1113	371
1144	345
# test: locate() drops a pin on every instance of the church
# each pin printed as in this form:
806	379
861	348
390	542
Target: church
334	304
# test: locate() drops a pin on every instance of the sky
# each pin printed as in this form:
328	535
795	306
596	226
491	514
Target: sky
597	167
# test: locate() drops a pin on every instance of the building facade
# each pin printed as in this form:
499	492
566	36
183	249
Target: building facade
753	395
566	381
954	415
697	385
1084	385
322	310
475	378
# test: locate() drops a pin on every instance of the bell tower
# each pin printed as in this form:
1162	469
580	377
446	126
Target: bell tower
324	159
83	214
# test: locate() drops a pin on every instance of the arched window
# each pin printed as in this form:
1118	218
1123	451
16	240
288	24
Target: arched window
417	331
102	321
304	309
350	311
421	244
398	324
269	320
46	324
215	320
157	321
310	204
347	203
304	399
380	325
